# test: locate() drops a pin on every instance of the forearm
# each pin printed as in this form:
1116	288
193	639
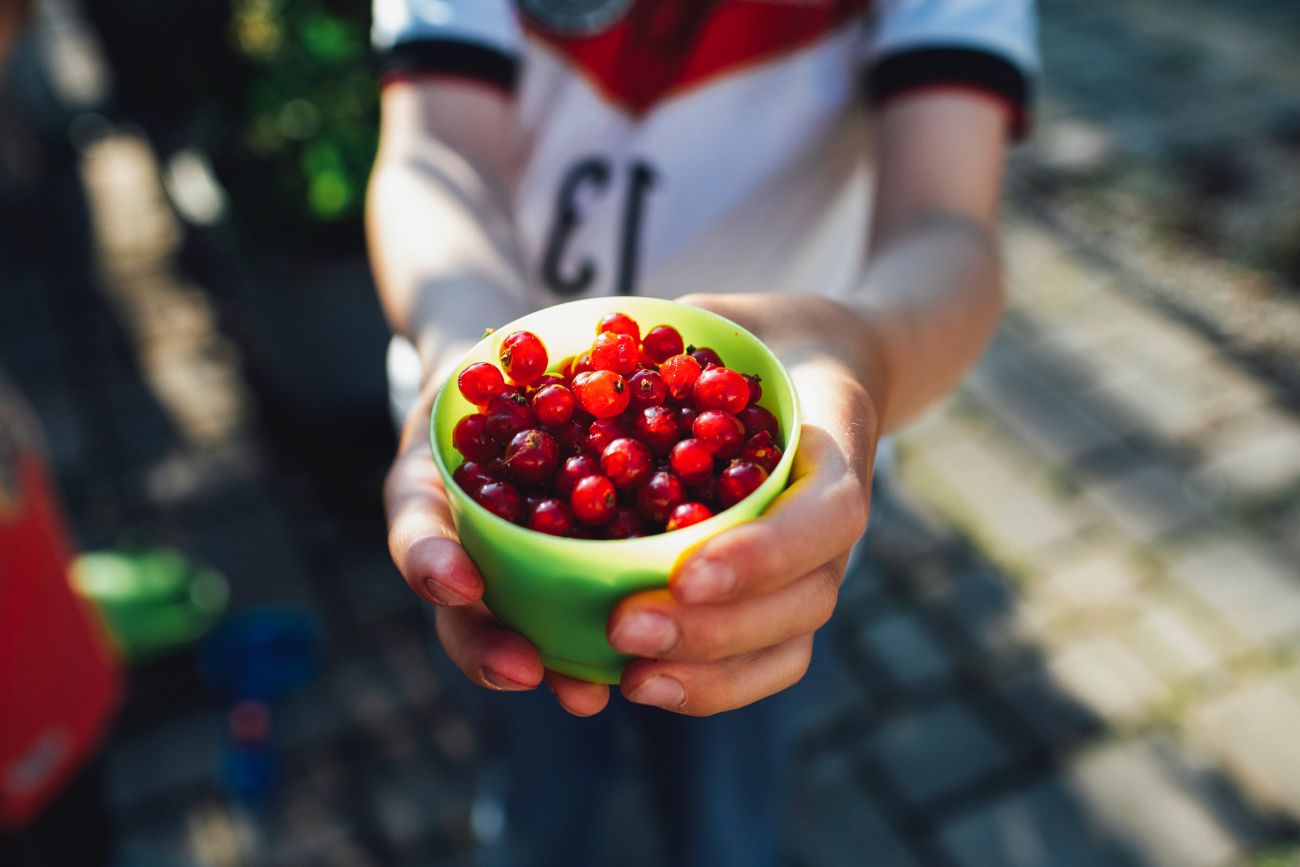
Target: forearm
441	242
930	301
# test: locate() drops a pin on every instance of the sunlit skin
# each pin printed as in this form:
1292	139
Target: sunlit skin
743	607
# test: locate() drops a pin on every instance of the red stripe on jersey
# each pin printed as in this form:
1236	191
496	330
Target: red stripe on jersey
662	47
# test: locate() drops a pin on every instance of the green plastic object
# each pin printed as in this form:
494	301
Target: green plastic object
152	599
559	592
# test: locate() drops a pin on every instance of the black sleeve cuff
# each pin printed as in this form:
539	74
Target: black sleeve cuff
922	68
449	57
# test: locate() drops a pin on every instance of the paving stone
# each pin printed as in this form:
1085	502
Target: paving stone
908	651
996	499
834	824
1100	578
1054	715
1254	454
986	610
1108	678
1254	593
1253	733
176	757
1162	817
1148	502
937	750
1044	825
1171	642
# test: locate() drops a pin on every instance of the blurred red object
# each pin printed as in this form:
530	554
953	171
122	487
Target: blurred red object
59	677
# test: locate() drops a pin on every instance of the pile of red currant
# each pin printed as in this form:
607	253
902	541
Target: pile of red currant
637	435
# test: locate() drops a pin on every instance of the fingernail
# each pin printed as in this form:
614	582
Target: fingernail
445	594
646	633
704	581
660	691
496	680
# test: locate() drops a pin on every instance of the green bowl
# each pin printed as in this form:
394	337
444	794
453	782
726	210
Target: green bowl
559	592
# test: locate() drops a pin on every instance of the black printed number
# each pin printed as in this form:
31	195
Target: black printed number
595	173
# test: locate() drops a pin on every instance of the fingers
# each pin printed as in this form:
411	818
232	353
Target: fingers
656	624
487	653
421	538
578	697
701	690
815	520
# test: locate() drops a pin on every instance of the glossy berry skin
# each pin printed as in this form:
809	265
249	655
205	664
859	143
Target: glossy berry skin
656	426
508	414
574	470
662	342
755	387
685	418
602	393
721	388
619	323
569	436
502	500
625	524
616	352
721	433
706	356
480	381
545	380
471	439
627	462
523	357
686	514
757	419
657	498
646	388
738	481
472	476
582	364
691	460
602	432
679	374
593	500
532	456
553	517
762	450
553	405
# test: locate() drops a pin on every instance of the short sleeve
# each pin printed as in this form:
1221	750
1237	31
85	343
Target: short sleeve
467	38
985	45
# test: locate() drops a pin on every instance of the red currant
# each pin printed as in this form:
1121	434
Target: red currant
593	500
686	514
523	357
755	386
721	433
662	342
508	414
582	364
757	419
574	470
601	393
658	497
470	437
502	500
647	388
616	352
685	418
625	524
738	481
619	323
705	356
691	460
471	476
480	381
551	516
553	405
532	456
721	388
545	380
656	426
762	450
602	432
626	462
570	435
679	374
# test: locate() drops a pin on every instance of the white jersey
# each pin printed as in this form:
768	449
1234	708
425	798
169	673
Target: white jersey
673	146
